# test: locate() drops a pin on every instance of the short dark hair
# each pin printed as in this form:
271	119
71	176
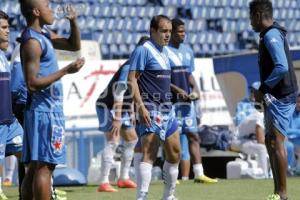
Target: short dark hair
176	22
143	39
156	19
3	15
262	6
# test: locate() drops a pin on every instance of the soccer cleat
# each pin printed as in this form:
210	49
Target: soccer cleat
7	182
205	179
60	192
60	198
106	187
126	183
273	197
177	182
171	198
3	196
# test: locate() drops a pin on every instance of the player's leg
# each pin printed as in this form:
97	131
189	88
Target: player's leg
26	187
170	168
10	164
194	148
18	110
130	139
14	146
137	158
3	135
150	145
280	162
105	124
185	163
270	148
41	182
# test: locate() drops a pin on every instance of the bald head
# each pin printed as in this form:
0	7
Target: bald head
28	5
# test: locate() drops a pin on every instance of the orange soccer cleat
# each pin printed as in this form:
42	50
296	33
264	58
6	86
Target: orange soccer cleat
106	187
126	183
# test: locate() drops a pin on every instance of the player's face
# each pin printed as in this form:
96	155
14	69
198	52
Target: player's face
254	20
179	34
163	34
46	13
4	34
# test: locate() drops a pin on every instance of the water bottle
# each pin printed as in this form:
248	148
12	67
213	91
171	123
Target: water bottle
61	11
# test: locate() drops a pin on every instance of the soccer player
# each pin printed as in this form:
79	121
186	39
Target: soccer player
11	136
150	79
114	117
19	98
278	90
44	120
185	90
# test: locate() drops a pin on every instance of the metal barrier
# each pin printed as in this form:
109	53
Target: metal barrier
82	145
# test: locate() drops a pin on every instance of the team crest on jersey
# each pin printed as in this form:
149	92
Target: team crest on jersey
57	138
189	122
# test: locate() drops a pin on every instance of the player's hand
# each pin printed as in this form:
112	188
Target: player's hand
116	127
194	96
75	66
258	96
145	116
183	95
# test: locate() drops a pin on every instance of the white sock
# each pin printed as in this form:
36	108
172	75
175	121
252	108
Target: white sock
0	184
136	164
184	178
198	170
10	163
107	160
127	158
170	174
145	175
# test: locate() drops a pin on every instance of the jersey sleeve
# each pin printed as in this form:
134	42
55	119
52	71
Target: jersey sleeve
274	41
138	59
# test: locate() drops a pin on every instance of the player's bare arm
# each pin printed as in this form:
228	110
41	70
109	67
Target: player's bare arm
73	42
180	92
195	94
31	54
144	113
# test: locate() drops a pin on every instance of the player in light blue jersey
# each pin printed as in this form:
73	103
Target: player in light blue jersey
150	78
11	132
185	91
44	120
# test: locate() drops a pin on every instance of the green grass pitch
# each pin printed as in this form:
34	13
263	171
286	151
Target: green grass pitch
242	189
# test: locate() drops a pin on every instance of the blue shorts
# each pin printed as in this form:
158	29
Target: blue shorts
163	125
11	139
44	137
186	117
184	144
105	118
279	112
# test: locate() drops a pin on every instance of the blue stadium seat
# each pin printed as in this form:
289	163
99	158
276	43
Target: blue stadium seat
104	51
192	38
